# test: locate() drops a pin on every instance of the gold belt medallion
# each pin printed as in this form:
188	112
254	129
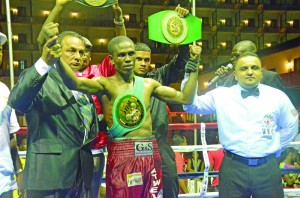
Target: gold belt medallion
129	111
174	28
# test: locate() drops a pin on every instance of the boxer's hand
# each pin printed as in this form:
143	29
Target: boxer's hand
191	66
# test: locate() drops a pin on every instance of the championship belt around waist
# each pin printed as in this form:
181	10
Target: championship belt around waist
129	113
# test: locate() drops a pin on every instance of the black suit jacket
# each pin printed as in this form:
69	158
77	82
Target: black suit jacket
56	156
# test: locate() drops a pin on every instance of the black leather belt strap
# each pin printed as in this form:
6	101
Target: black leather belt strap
249	161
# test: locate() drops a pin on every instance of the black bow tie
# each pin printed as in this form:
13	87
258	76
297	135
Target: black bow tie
254	92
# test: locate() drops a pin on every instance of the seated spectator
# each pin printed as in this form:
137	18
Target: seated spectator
215	161
290	160
179	140
23	145
195	163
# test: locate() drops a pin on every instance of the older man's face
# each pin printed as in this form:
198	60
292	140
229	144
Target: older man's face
72	51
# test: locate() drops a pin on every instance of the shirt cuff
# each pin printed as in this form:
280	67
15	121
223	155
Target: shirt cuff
42	67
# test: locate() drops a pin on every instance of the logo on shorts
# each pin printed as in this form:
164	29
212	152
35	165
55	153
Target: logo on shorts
129	111
134	179
143	148
156	187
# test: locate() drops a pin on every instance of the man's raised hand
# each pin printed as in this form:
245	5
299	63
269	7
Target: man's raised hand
182	12
51	51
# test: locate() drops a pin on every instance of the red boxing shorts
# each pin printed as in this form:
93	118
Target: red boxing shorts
133	169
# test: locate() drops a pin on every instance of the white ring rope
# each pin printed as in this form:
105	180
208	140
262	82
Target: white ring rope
206	161
287	192
212	147
204	148
192	148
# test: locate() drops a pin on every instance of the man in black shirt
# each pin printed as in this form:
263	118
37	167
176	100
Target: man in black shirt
167	74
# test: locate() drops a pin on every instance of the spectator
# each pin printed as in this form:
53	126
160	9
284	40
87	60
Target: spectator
10	163
179	140
23	145
290	160
195	164
215	161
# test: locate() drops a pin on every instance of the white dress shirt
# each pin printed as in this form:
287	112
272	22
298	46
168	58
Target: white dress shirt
250	127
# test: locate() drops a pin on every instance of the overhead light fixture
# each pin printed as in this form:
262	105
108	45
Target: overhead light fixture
74	14
14	11
201	67
126	16
268	45
291	22
289	66
15	38
15	63
102	41
268	22
46	12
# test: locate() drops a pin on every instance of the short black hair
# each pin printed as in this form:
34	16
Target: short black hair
116	40
246	54
242	47
178	139
142	47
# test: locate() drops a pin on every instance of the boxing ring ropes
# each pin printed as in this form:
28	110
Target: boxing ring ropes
204	148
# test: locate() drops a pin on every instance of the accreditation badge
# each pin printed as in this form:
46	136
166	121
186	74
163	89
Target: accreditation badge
96	3
129	111
269	126
174	28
